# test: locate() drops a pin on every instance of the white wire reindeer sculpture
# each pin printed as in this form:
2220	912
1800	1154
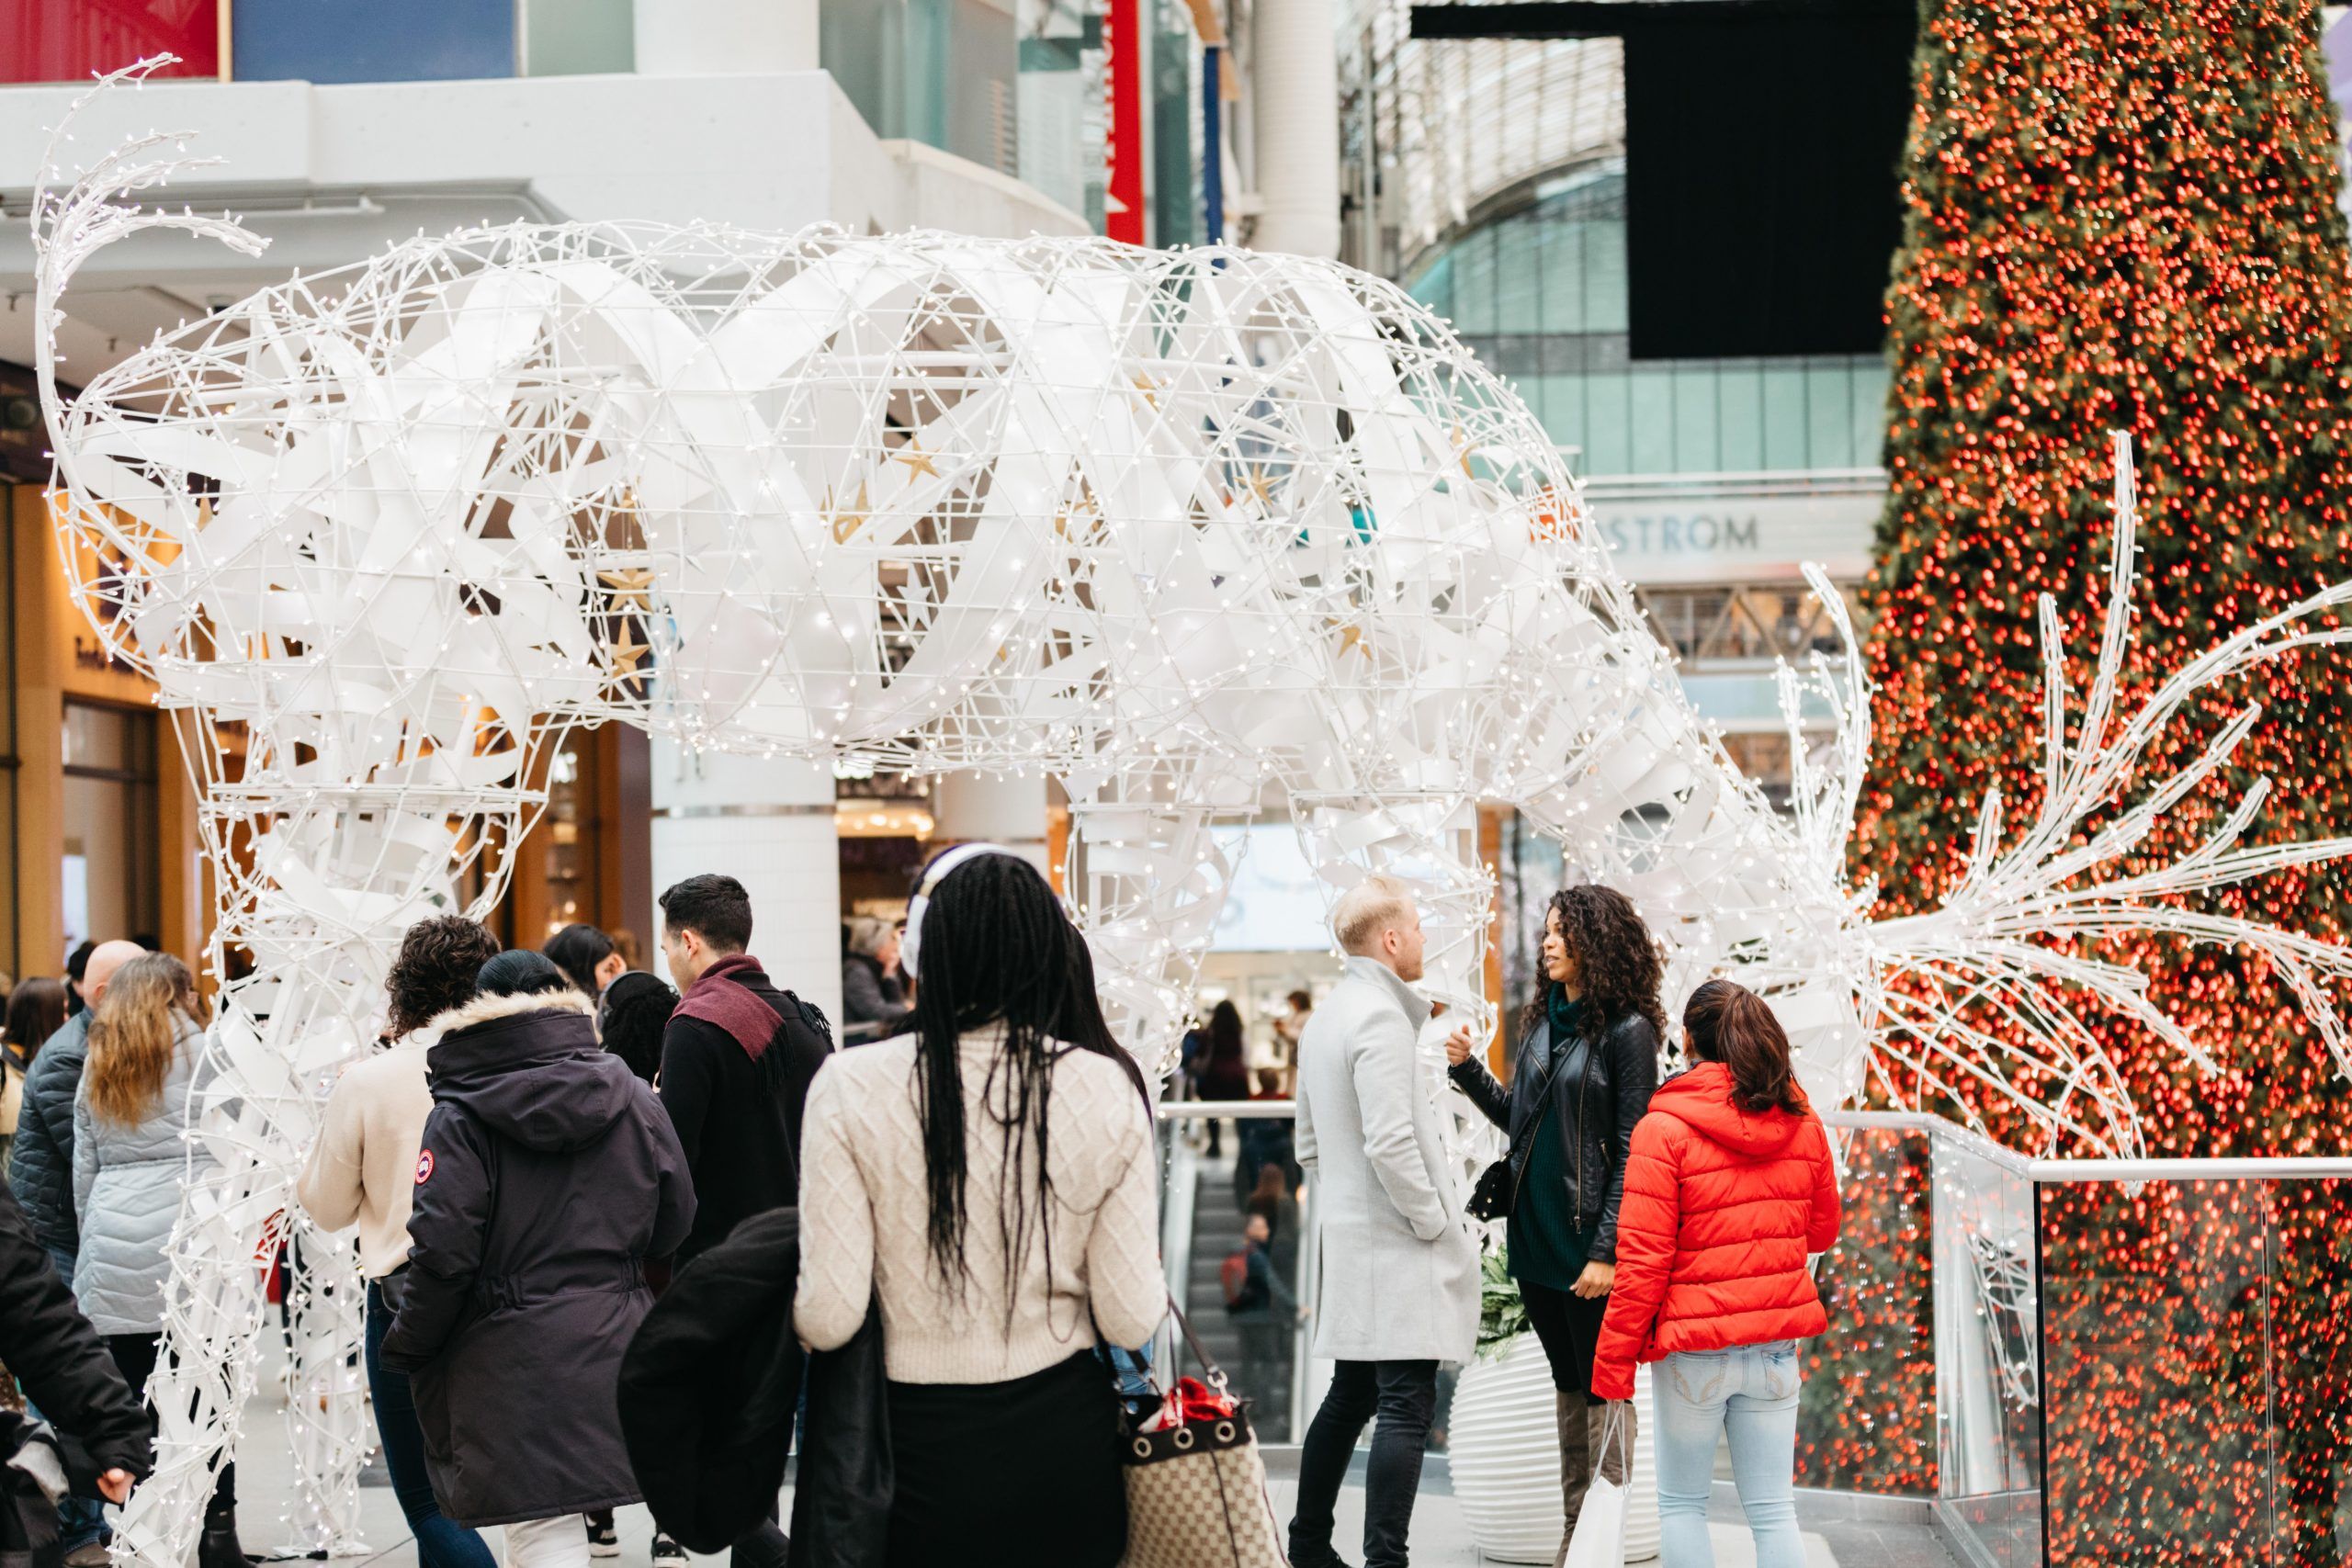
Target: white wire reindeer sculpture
1196	531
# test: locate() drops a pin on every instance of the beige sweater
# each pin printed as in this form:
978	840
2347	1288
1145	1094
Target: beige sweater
864	1212
363	1165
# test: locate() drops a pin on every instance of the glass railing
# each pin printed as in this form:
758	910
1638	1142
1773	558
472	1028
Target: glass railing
2136	1361
2075	1361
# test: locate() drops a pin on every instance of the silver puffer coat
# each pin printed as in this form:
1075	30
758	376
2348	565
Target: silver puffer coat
127	1183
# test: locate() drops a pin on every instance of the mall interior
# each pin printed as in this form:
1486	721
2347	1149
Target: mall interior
1690	305
1487	176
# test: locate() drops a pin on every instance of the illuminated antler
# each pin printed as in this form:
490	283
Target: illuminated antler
1990	977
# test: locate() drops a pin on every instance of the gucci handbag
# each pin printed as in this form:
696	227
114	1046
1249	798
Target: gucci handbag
1196	1486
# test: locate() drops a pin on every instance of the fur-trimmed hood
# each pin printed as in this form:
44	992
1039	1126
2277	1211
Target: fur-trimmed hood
485	1006
529	1067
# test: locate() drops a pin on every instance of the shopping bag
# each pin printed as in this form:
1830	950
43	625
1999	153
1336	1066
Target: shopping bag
1196	1485
1600	1541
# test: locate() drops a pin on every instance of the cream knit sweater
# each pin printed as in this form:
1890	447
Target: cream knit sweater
364	1166
864	1209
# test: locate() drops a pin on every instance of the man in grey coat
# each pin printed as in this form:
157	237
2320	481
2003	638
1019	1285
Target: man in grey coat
1398	1287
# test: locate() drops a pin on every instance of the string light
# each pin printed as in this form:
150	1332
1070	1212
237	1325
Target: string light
2124	217
582	465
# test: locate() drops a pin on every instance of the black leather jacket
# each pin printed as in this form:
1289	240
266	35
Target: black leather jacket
1599	1131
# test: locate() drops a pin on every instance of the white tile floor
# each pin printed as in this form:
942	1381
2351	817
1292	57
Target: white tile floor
266	1484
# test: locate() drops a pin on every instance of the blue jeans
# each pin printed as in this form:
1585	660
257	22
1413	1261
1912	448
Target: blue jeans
80	1521
1749	1392
439	1542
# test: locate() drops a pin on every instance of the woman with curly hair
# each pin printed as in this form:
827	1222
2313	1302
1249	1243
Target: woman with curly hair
1586	1068
362	1171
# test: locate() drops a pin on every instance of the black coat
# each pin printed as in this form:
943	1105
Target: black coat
708	1395
41	1165
737	1120
1598	1112
549	1176
62	1362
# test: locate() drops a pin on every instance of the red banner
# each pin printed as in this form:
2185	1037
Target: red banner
65	41
1121	122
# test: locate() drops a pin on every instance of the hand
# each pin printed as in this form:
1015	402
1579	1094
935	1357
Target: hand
1596	1280
1305	1312
115	1486
1458	1046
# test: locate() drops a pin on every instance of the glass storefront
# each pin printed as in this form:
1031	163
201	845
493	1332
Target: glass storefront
1540	292
112	861
574	835
939	72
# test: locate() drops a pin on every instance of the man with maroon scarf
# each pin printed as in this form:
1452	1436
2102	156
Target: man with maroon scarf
737	1059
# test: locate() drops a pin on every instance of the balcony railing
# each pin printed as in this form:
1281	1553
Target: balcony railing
2070	1361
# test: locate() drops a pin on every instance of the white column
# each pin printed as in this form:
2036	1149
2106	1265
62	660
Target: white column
722	37
1001	808
768	823
1294	103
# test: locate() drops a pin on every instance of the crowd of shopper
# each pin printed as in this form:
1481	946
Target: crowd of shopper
545	1141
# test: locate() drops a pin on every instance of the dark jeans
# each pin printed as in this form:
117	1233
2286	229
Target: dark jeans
1569	1327
1404	1394
765	1547
135	1356
440	1542
80	1521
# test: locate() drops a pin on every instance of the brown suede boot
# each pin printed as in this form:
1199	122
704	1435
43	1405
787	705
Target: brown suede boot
1576	1464
1617	1461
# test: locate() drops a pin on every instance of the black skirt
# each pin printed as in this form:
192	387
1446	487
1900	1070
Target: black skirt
1024	1471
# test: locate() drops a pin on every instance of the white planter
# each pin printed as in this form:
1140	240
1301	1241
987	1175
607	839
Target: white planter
1503	1445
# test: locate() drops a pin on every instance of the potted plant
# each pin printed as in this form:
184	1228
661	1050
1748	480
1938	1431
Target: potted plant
1504	1442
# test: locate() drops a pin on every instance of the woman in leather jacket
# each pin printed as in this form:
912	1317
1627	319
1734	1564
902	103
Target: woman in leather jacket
1582	1077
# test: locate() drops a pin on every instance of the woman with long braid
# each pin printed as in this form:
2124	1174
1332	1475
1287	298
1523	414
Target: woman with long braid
991	1181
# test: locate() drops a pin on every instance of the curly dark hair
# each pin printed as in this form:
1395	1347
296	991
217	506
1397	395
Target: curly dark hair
435	972
1621	963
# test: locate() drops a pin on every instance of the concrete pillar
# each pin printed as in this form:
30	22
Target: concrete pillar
722	37
769	825
1294	106
1002	809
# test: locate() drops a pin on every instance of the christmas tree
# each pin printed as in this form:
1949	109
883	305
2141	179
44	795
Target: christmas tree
2121	214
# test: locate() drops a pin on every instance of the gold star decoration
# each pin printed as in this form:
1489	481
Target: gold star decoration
1149	389
917	460
627	652
848	523
1069	514
631	589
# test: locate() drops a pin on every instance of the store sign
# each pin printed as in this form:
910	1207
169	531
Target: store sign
1730	538
1122	121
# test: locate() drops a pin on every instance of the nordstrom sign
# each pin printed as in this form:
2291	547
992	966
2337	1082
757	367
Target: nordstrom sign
1661	537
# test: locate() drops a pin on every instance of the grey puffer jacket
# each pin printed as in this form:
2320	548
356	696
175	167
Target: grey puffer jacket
127	1184
41	1163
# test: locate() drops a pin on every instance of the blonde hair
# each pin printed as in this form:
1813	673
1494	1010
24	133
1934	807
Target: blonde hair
1374	905
869	934
132	1035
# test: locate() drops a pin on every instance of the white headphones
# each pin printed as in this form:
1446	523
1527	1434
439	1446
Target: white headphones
911	944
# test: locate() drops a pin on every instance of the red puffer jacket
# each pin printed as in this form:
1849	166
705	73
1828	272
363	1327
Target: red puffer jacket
1722	1206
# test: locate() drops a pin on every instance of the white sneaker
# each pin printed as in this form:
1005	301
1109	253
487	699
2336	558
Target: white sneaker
667	1553
604	1541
